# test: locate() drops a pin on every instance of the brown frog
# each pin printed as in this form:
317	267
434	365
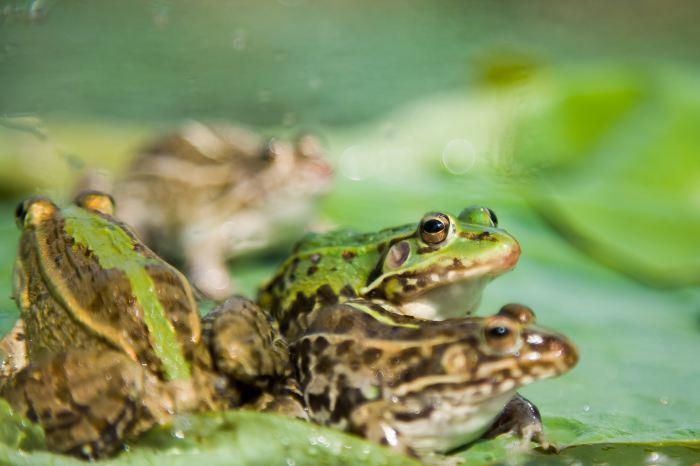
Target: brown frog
423	386
208	193
109	342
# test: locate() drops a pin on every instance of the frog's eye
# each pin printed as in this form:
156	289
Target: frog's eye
33	211
97	201
308	145
21	212
518	312
434	228
501	334
271	151
479	216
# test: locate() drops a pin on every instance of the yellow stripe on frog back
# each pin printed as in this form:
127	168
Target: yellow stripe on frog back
378	316
113	248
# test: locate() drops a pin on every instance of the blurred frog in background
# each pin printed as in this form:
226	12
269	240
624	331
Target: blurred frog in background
208	193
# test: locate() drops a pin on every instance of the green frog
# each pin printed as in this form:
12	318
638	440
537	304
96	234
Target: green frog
110	343
434	269
423	386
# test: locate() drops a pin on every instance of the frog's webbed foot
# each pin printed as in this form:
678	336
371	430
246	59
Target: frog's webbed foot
522	418
87	402
245	344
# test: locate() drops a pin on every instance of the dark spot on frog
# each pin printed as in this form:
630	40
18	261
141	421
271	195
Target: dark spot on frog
421	281
457	264
347	400
342	348
317	402
426	250
371	355
315	258
348	256
345	324
409	288
301	305
408	416
409	353
326	295
381	247
347	292
320	344
421	368
311	270
334	269
293	269
324	365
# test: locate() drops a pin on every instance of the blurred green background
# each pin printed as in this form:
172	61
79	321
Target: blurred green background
577	122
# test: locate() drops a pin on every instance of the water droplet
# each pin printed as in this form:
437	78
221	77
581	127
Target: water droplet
291	462
264	96
586	408
289	119
361	162
239	39
459	156
178	434
315	83
655	458
663	400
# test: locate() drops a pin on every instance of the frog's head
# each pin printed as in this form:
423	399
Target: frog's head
440	270
476	369
300	166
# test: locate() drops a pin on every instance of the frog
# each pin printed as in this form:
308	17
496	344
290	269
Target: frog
434	269
426	387
110	343
207	193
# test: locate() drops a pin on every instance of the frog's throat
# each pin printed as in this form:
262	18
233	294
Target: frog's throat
114	249
444	292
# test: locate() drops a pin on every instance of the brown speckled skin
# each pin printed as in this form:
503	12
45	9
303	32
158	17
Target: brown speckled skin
371	378
81	362
207	193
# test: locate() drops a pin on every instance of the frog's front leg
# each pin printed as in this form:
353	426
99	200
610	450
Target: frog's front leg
375	421
245	343
205	261
13	352
522	418
87	402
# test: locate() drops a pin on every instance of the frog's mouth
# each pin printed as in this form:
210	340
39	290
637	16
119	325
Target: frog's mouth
453	291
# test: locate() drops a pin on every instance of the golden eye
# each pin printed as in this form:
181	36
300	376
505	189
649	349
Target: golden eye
33	211
501	334
479	216
271	151
434	228
518	312
97	201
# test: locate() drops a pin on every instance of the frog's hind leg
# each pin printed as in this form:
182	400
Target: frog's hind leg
87	402
245	343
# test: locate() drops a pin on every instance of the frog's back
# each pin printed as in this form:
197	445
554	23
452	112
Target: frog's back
346	239
96	274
